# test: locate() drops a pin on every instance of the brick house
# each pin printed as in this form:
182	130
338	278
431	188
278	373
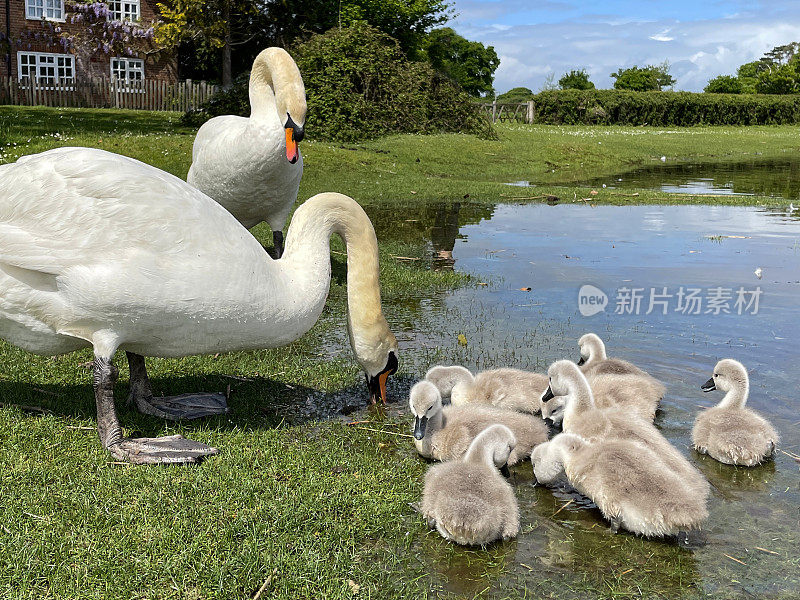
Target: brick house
41	57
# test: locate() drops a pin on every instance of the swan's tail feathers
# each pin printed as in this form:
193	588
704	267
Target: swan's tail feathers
467	520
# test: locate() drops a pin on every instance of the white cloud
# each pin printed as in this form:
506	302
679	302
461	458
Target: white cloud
662	36
697	50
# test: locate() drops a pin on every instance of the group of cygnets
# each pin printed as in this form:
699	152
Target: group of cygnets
608	450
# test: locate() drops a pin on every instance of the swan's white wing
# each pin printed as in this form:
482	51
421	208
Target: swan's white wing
79	206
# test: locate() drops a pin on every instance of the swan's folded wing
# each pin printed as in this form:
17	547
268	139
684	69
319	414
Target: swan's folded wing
74	206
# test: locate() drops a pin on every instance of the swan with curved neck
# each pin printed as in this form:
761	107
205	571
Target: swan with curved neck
148	264
730	432
252	166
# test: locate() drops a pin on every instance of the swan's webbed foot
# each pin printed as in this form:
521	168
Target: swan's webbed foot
173	408
616	522
163	450
184	407
170	449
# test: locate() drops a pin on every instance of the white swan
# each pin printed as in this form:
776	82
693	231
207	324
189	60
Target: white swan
252	166
101	250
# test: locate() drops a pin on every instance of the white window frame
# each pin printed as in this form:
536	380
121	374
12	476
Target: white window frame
124	10
42	62
126	66
36	10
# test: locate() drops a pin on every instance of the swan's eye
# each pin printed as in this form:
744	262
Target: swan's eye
716	374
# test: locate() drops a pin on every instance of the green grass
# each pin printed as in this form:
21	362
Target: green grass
414	168
313	505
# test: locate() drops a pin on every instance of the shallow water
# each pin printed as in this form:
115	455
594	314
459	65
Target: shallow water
555	251
777	177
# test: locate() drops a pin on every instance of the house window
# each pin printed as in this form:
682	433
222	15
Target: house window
45	9
46	68
128	71
124	10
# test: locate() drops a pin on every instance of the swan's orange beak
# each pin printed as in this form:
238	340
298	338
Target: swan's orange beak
292	153
382	384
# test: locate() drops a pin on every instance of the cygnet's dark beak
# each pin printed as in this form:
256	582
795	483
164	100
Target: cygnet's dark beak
419	427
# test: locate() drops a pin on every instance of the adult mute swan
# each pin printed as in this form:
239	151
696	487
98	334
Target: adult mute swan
252	166
101	250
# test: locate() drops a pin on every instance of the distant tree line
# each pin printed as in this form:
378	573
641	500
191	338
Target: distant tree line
777	72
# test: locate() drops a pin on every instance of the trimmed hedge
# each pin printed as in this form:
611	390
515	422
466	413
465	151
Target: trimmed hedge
680	109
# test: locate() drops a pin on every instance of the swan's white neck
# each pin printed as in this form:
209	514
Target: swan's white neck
307	261
276	88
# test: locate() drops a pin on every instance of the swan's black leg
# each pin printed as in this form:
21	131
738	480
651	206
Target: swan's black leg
169	449
277	241
108	428
174	408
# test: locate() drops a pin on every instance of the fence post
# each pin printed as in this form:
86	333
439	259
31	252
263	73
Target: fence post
494	110
529	117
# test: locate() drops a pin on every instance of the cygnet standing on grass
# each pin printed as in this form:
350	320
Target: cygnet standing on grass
630	483
513	389
445	433
468	501
729	432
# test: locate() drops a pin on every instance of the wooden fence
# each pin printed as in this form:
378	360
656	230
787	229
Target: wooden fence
106	92
517	112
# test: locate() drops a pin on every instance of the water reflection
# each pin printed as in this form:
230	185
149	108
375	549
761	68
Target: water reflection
778	177
566	549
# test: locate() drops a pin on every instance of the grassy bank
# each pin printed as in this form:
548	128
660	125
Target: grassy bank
413	168
312	509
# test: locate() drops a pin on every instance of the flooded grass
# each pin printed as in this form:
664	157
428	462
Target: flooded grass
320	505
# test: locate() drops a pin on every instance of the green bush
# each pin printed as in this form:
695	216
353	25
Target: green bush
724	84
360	85
517	94
575	80
681	109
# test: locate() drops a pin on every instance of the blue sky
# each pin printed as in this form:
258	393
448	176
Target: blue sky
700	39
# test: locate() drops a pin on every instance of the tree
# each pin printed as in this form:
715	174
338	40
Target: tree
517	94
747	74
643	79
213	29
575	80
211	25
782	79
470	64
407	21
724	84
